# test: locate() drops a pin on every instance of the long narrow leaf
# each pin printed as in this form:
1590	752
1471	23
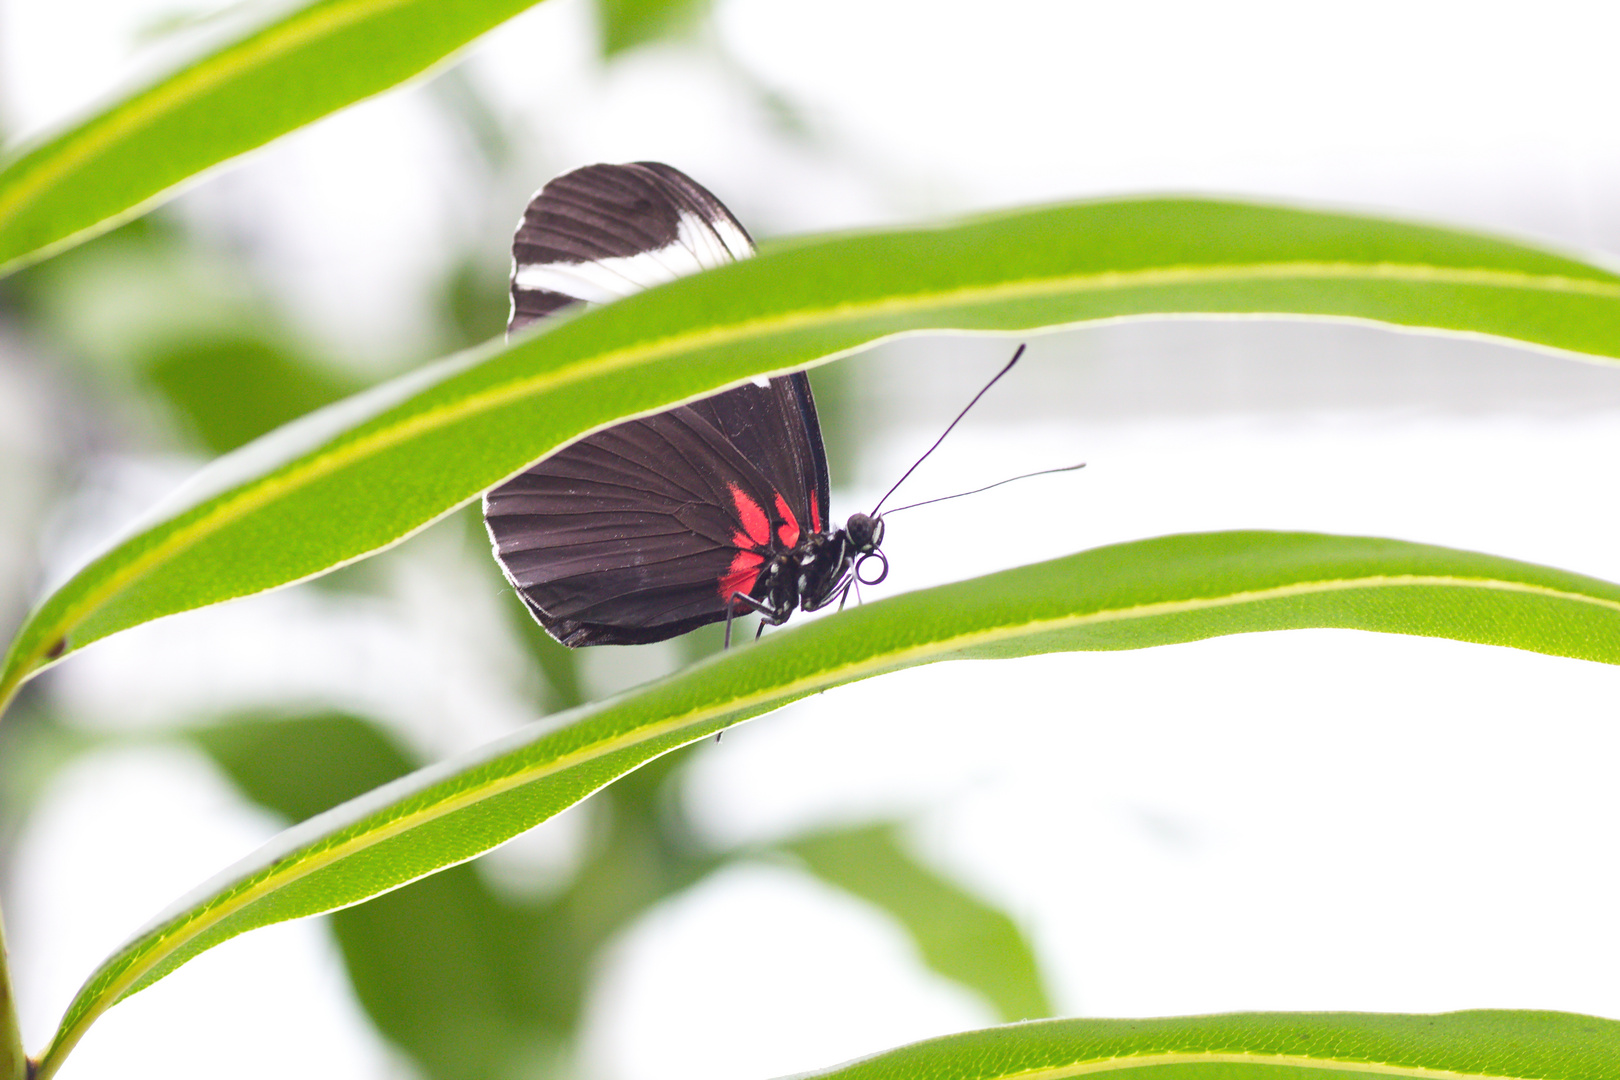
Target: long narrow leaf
1280	1046
312	62
959	935
1153	592
370	471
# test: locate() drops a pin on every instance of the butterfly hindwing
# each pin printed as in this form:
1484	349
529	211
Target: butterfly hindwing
624	536
643	531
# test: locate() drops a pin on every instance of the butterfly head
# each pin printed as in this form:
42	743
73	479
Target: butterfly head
865	534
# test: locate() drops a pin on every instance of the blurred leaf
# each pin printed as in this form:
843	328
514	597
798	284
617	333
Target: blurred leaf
14	1064
148	309
476	301
474	115
557	663
478	986
1154	592
299	766
134	291
628	23
309	63
34	746
232	389
360	476
456	976
166	24
837	391
959	935
473	985
1265	1046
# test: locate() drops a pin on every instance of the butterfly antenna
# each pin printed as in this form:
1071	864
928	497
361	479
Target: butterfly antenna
987	487
947	431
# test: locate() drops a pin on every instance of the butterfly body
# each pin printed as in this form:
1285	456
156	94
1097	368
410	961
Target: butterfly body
662	524
809	576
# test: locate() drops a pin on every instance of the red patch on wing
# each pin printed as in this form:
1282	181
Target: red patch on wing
756	528
742	575
789	531
815	514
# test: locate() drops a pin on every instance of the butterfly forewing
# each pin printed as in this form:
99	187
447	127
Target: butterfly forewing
645	530
775	426
605	231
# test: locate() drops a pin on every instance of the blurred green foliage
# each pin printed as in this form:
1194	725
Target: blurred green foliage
231	389
959	935
470	983
624	24
476	984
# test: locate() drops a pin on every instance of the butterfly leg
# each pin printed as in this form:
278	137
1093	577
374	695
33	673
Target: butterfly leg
772	615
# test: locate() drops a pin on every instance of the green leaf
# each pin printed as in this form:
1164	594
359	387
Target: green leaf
13	1060
959	935
628	23
1279	1046
368	472
1152	592
281	76
473	984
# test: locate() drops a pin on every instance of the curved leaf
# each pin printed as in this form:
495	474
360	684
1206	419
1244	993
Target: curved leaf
365	473
1281	1046
299	68
1128	596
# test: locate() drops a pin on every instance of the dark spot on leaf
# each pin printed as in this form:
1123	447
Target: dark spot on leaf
56	649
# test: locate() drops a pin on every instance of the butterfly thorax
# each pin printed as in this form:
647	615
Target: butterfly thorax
817	570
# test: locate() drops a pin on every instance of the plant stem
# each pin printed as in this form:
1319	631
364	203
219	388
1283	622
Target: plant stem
13	1060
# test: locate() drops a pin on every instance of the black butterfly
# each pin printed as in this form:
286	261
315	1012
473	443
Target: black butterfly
708	511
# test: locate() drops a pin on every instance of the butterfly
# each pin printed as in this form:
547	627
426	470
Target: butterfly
706	512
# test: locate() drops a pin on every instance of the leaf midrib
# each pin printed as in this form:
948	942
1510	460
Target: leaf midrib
227	510
273	879
1183	1057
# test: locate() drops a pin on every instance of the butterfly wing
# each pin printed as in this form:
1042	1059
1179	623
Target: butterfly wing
636	534
603	232
775	425
645	530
